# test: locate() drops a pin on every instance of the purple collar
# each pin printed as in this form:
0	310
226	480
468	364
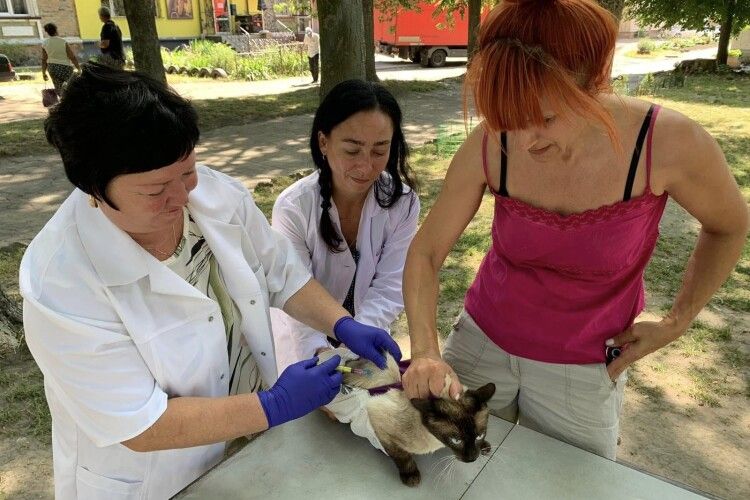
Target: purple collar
402	366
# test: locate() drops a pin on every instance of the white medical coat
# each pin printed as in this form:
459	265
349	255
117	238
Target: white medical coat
382	241
116	332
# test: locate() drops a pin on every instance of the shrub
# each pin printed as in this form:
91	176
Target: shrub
274	62
646	47
734	53
21	55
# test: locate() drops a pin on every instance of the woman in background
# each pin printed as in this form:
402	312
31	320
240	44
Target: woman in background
58	59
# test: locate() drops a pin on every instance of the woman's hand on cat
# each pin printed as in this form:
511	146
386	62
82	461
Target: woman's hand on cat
642	339
426	376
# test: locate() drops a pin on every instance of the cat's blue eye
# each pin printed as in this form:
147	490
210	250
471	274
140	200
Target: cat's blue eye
456	441
480	437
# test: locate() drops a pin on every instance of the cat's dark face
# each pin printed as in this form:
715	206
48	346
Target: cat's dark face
460	425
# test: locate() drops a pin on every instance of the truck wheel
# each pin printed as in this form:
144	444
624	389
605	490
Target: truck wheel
424	61
437	59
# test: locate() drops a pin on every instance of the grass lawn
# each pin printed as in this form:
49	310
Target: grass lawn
26	137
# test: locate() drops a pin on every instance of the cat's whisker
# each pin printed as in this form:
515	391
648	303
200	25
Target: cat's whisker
444	476
439	462
452	469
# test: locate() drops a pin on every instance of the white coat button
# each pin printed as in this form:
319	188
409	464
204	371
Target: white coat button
262	353
210	318
252	302
222	377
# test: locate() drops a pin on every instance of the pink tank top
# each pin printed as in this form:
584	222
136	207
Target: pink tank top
554	288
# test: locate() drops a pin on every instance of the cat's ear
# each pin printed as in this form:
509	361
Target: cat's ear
422	405
483	394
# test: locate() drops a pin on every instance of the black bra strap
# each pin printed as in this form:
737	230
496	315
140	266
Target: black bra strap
637	155
503	164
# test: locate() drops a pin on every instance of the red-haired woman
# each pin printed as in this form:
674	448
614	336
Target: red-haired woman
580	179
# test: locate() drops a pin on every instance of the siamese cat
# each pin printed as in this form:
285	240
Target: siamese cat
407	427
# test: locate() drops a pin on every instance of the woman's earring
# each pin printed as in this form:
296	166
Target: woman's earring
324	157
92	202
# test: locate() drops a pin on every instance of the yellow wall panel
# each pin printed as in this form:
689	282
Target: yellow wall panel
90	25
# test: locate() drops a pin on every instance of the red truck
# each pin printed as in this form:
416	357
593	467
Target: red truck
421	37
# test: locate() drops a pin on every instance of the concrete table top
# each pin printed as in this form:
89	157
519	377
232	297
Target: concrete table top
530	465
316	458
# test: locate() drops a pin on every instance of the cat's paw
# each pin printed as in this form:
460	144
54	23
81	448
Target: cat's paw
411	479
486	448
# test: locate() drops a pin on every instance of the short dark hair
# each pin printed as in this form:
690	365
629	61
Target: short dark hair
50	29
342	101
111	122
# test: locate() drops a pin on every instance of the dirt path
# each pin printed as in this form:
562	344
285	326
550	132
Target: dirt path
31	188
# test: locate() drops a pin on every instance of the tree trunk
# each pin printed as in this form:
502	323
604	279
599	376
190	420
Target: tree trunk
726	31
614	6
144	39
475	12
368	21
207	18
342	42
10	323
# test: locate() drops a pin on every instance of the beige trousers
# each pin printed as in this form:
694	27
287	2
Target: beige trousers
578	404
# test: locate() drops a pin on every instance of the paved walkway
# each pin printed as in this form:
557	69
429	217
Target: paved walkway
21	101
31	188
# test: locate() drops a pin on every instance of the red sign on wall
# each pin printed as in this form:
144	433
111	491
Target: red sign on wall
220	8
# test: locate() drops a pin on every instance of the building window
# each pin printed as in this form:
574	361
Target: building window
14	7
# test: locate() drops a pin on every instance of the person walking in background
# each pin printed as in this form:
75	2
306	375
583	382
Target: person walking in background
312	43
110	42
58	58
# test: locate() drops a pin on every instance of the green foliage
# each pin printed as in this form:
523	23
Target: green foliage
274	62
690	14
294	7
20	55
681	43
646	46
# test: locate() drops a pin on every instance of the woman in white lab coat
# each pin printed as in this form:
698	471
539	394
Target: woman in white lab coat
352	220
146	300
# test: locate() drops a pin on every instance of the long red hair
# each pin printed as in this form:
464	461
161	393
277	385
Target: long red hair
529	50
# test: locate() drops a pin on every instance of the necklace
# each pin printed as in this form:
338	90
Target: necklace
168	254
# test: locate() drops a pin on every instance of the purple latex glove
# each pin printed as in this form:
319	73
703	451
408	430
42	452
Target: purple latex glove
366	341
301	388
